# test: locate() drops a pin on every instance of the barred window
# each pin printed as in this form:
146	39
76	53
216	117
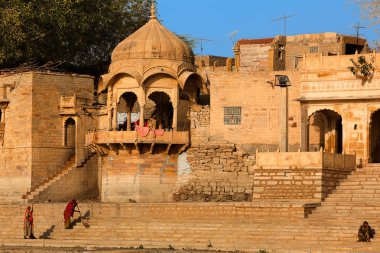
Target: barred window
232	115
313	49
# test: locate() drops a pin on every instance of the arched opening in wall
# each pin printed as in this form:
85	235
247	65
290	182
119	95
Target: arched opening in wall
128	112
195	88
70	133
374	141
161	110
325	131
184	105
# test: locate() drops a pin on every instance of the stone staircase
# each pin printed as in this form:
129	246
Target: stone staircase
65	170
248	227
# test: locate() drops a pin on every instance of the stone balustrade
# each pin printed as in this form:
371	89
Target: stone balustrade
110	137
335	62
319	159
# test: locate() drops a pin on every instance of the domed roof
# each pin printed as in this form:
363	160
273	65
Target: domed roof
153	41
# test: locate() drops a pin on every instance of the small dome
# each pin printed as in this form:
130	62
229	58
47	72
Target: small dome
153	41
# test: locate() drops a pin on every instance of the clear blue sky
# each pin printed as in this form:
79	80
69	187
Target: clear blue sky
215	19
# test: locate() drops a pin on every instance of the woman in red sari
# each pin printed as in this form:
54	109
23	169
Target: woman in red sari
28	223
69	212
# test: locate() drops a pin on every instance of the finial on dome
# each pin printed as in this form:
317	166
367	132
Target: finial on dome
153	10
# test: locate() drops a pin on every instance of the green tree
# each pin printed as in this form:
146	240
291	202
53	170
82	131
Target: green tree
79	33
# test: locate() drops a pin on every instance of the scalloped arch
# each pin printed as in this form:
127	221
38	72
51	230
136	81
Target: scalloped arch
158	70
326	108
109	79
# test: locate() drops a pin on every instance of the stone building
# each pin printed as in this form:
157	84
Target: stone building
286	52
285	119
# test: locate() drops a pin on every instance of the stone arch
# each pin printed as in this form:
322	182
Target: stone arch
109	79
128	111
162	111
159	71
325	131
70	133
190	81
374	137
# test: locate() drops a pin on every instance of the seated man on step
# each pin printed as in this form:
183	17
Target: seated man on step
365	232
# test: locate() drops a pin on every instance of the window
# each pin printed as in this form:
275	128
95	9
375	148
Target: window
69	133
281	50
297	62
313	49
1	118
232	115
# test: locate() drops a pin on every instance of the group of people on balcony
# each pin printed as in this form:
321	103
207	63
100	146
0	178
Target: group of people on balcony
156	121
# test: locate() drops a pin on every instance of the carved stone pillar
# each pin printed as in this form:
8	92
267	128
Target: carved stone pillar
114	119
236	49
129	120
109	118
284	120
304	129
142	106
175	117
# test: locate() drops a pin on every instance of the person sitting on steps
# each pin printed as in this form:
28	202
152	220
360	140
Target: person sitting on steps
365	232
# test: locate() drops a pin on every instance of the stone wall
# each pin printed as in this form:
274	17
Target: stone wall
209	61
200	124
133	177
255	57
49	150
303	184
81	183
260	107
218	172
302	176
16	152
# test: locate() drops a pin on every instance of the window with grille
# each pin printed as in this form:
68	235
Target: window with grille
232	115
313	49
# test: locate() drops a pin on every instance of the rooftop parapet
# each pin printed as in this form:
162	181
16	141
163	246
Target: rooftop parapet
334	62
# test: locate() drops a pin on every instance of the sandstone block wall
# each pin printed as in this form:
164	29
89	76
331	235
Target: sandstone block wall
49	151
255	57
217	173
260	108
15	151
137	177
303	184
81	183
200	124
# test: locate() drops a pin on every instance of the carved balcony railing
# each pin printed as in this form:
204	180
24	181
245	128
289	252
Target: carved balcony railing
114	140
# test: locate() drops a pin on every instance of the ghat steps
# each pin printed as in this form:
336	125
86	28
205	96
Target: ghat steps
274	226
